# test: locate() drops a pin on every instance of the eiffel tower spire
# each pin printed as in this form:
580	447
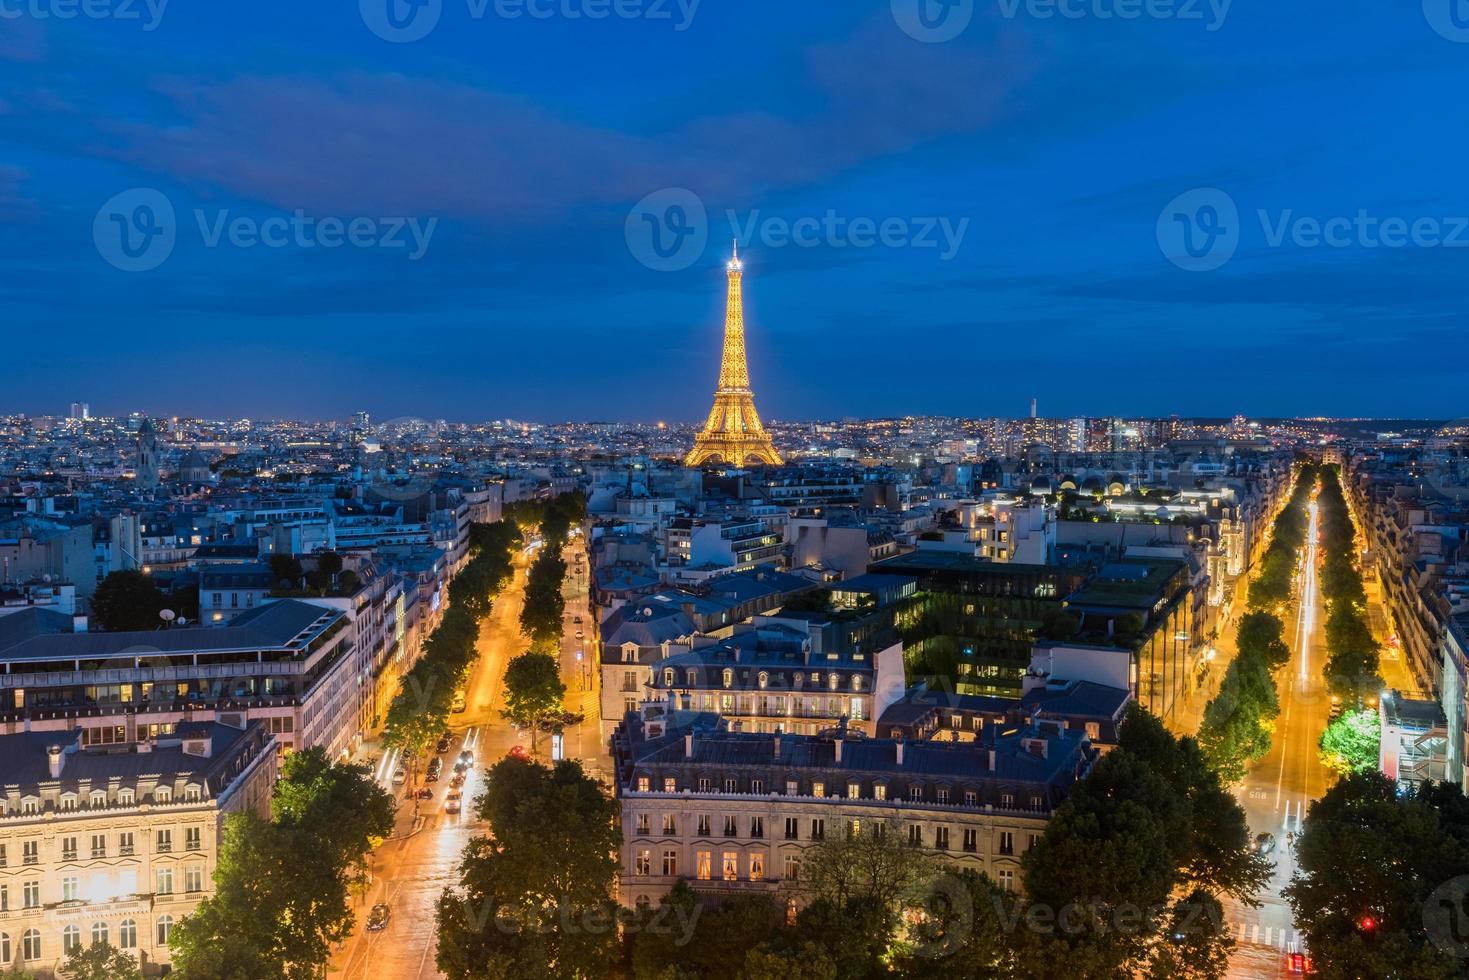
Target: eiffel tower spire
734	434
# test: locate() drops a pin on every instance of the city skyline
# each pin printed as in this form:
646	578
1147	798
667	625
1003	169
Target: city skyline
904	236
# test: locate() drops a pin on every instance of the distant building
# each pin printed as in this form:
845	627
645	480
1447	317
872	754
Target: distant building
147	465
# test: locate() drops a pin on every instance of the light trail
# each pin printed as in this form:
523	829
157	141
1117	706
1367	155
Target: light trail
1308	595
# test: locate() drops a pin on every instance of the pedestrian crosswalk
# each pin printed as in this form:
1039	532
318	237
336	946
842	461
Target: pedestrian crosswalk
1254	934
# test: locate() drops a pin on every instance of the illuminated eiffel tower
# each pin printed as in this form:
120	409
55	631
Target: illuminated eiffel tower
733	435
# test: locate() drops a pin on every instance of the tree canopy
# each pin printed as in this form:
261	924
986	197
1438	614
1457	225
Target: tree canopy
127	601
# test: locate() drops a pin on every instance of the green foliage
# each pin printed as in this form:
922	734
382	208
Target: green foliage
1368	853
1237	727
286	569
1352	742
701	939
127	601
534	897
533	689
101	961
1353	664
281	886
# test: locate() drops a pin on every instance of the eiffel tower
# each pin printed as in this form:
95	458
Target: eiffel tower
733	435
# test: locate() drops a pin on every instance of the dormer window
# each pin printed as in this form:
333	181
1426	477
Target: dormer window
192	793
163	795
668	677
832	680
856	682
68	801
30	806
728	677
764	680
125	797
693	677
98	799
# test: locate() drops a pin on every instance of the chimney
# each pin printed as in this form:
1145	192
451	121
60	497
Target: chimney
55	760
899	760
688	746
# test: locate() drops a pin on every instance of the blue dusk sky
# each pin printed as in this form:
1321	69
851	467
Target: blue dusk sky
474	209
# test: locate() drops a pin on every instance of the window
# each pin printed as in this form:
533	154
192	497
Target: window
915	834
30	852
1036	802
854	829
191	794
98	799
68	848
706	785
703	825
731	785
791	828
99	845
856	682
729	826
645	862
68	801
4	861
1007	880
162	794
71	887
125	797
971	798
1093	730
127	934
915	793
763	679
30	945
165	841
165	929
125	843
792	868
693	677
192	838
1007	800
757	827
818	788
879	791
71	939
1007	842
731	866
793	788
971	840
941	838
670	824
30	807
670	784
818	829
164	880
4	904
99	933
670	863
727	677
757	867
757	786
194	879
4	947
854	791
31	894
667	678
1031	839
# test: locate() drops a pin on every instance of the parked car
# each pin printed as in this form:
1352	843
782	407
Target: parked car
442	747
518	751
1264	844
377	919
423	793
400	776
452	806
457	780
459	702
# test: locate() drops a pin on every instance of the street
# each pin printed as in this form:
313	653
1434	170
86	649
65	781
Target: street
411	870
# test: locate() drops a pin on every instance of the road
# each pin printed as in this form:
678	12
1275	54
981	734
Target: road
411	871
1277	791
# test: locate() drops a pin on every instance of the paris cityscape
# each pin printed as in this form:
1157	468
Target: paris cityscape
642	489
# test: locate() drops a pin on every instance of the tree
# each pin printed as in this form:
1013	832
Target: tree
101	961
533	689
1196	944
286	570
1379	888
1352	742
127	601
533	898
337	803
720	938
809	962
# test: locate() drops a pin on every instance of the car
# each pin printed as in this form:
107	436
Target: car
377	919
518	752
1264	844
459	702
400	776
460	768
423	793
457	780
467	757
432	776
442	747
451	806
1298	964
